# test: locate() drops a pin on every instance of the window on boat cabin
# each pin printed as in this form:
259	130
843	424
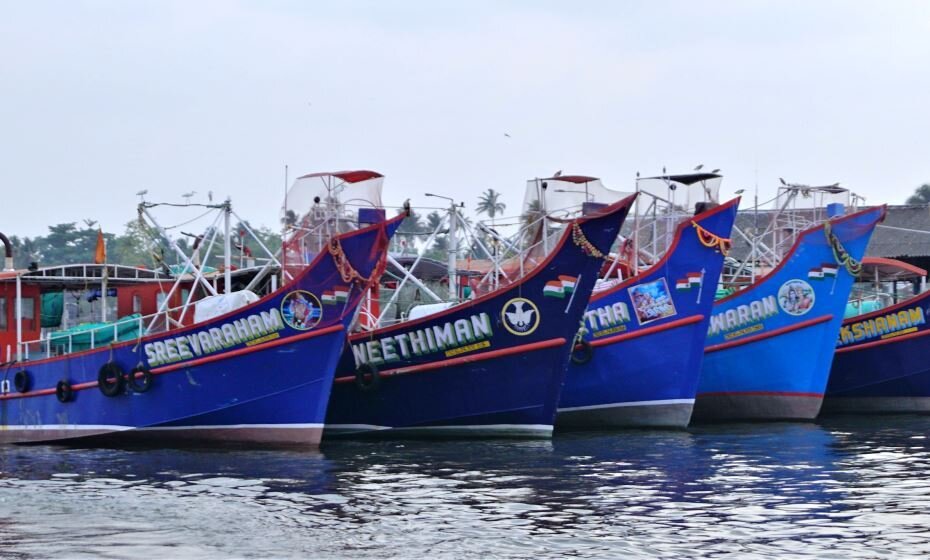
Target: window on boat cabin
3	322
29	313
137	303
160	298
184	294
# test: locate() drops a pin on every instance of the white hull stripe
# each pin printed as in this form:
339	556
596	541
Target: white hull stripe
490	428
101	428
234	427
629	404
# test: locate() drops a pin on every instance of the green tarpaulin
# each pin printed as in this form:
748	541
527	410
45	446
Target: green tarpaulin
53	303
127	328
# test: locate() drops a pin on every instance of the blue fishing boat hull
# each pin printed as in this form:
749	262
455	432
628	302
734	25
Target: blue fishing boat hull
643	371
490	367
259	375
881	361
770	346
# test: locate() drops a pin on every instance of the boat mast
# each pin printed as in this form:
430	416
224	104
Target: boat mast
227	249
453	252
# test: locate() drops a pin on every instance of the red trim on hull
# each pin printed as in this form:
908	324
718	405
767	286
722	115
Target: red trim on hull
770	334
648	330
537	270
797	242
532	347
192	363
679	232
219	318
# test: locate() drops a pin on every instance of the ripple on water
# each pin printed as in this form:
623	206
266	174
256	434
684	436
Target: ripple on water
842	489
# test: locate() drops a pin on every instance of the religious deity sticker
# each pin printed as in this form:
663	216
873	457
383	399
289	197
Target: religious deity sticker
652	302
301	310
520	316
796	297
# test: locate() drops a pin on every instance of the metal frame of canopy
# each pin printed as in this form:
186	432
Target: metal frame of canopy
797	208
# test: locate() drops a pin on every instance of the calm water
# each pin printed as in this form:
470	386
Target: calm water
845	488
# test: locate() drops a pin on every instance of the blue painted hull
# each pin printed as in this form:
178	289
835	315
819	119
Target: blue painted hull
256	375
770	346
499	375
881	361
630	381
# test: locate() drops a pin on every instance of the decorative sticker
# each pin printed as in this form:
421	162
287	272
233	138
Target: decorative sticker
301	310
796	297
652	301
520	316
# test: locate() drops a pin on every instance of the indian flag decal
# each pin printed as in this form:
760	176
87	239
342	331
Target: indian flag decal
691	280
829	270
560	287
817	273
338	294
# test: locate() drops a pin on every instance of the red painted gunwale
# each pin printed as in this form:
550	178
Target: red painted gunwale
679	231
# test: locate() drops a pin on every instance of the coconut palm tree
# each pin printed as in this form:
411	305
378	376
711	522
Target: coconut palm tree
489	203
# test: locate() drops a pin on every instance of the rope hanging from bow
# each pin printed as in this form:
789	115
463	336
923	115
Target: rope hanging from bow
712	240
842	256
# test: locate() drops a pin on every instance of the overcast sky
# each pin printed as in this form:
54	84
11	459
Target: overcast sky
99	100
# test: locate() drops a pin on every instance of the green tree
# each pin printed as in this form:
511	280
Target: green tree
921	195
440	248
411	229
489	203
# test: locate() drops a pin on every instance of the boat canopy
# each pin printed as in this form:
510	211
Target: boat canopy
565	195
683	191
889	270
340	191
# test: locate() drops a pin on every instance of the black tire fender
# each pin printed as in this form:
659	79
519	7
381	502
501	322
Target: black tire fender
582	352
63	391
143	383
110	379
22	381
367	378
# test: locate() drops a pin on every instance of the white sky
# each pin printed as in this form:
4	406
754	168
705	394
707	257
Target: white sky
101	99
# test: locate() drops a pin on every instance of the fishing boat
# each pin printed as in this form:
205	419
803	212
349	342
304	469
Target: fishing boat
489	366
226	366
770	345
880	364
638	361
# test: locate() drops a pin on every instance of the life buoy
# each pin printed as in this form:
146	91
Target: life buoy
110	379
582	351
143	383
22	381
63	391
372	381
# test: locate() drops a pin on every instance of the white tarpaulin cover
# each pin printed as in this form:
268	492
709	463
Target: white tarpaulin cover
214	306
